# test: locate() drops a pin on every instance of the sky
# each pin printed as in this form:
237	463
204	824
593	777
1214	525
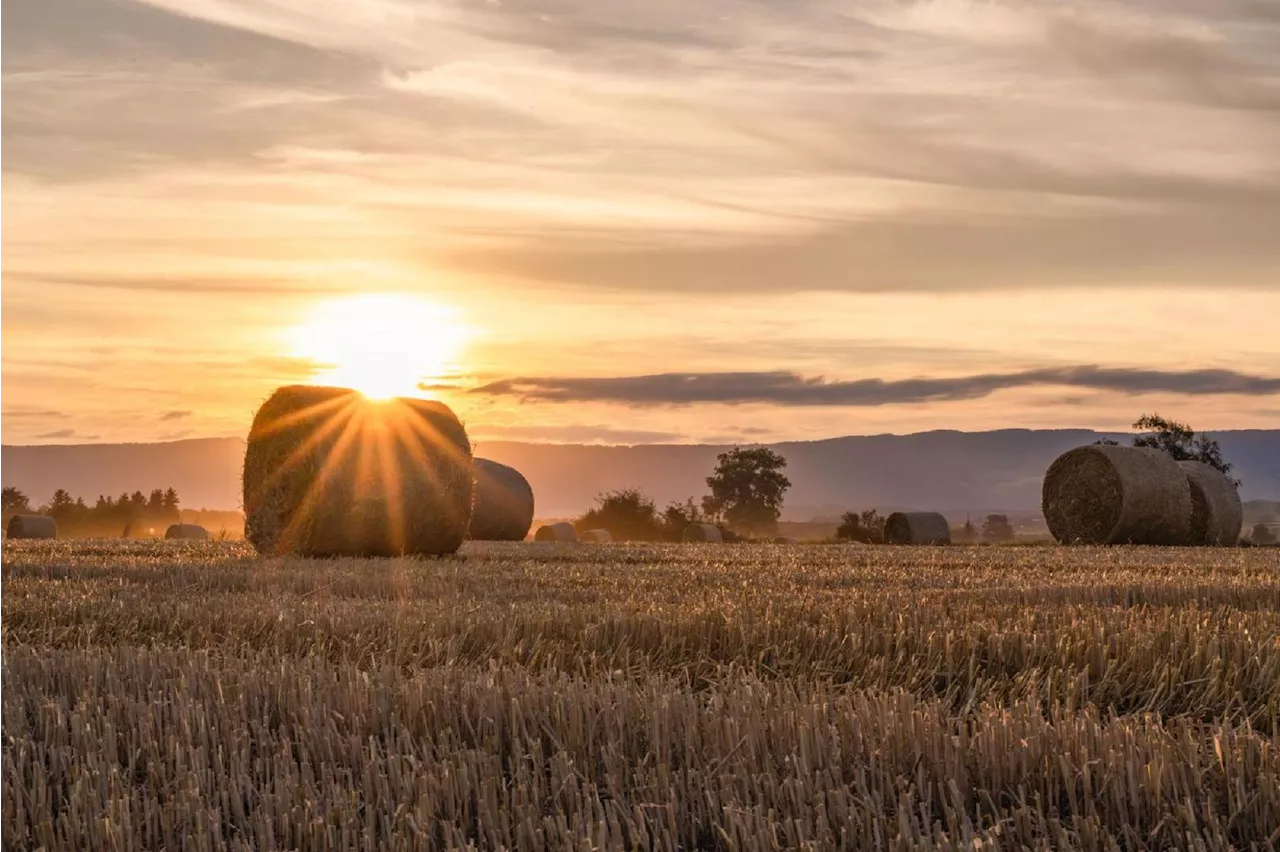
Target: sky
620	221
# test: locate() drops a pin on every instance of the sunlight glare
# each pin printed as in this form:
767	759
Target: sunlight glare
381	344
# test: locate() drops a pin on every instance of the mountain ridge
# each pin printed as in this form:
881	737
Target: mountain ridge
949	470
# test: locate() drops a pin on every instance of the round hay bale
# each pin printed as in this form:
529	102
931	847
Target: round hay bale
503	505
328	472
919	528
1216	514
556	532
1108	494
31	526
703	532
190	532
784	539
596	536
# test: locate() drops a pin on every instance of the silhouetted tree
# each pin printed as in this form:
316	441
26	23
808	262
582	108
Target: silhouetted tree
628	514
13	501
747	489
1180	441
866	527
677	516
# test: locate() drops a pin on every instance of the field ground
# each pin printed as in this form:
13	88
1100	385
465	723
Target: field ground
168	695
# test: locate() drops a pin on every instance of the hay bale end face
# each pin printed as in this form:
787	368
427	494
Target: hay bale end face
918	528
188	532
328	472
703	533
31	526
1216	514
1107	494
503	506
556	532
596	536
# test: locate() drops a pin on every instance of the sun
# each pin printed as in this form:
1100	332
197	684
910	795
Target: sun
381	344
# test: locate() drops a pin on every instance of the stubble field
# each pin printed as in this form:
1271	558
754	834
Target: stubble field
171	696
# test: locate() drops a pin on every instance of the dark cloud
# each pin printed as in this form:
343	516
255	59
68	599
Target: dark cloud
37	415
792	389
176	415
59	433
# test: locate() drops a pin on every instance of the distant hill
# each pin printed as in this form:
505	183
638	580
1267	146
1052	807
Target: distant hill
955	472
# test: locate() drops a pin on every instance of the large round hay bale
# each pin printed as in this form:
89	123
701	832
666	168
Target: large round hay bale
328	472
31	526
189	532
596	536
1109	494
703	532
921	528
503	506
1216	514
556	532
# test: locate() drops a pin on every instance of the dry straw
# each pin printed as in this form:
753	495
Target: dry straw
330	473
556	532
503	506
190	532
703	532
596	536
916	528
1216	514
1107	494
32	526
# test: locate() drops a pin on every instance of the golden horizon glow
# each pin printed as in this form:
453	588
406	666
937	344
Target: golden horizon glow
381	344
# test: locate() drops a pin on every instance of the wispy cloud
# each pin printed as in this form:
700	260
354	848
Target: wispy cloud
787	388
176	415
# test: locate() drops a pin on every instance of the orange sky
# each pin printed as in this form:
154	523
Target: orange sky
565	202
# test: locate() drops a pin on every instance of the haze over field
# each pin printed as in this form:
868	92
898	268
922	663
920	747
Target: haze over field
641	222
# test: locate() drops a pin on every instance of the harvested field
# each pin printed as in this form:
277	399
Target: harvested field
641	696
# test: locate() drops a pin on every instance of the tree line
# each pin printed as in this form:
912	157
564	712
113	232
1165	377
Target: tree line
144	513
746	492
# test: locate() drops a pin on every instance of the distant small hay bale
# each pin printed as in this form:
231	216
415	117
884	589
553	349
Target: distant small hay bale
703	532
1216	514
503	506
596	536
556	532
189	532
328	472
919	528
785	539
32	526
1109	494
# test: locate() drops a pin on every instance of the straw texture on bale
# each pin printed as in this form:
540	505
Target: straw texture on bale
1107	494
503	505
1216	513
329	473
916	528
703	532
32	526
596	536
192	532
556	532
